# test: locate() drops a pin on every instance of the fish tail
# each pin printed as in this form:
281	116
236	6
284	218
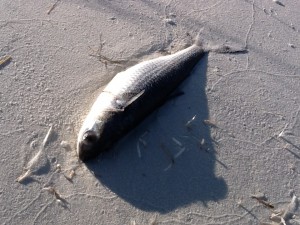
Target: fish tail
198	40
223	49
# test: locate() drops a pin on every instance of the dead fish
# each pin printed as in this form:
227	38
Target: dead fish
132	95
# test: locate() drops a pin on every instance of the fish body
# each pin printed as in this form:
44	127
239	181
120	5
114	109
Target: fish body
132	95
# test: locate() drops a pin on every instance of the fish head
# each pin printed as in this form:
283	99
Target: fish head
89	140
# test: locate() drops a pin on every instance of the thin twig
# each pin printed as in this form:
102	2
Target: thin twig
53	7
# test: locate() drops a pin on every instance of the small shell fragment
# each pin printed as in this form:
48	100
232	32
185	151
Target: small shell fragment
170	21
291	45
58	167
259	195
210	123
202	141
70	176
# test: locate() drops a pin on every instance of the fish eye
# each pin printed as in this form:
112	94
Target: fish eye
88	144
89	137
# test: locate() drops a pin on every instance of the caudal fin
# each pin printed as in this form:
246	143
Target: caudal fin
223	49
198	40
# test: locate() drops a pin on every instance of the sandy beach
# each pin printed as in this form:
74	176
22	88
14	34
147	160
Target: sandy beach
227	151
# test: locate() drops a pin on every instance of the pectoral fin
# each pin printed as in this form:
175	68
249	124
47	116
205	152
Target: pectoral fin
123	103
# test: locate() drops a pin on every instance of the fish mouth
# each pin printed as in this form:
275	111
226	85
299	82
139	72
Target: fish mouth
88	146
